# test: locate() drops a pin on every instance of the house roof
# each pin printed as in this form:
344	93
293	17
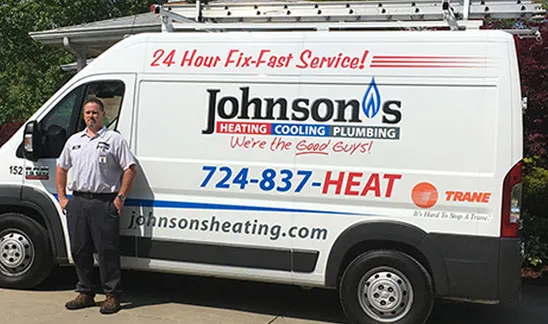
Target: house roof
89	40
95	37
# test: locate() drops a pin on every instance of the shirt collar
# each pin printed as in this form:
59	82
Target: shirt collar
100	133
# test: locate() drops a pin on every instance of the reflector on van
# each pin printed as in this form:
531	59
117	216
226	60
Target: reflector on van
29	130
511	202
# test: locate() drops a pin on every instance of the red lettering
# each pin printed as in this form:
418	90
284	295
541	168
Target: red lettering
247	61
304	147
229	59
278	61
303	65
261	59
350	183
187	59
236	141
353	183
468	196
364	57
246	142
372	185
352	148
207	61
307	60
328	182
190	58
354	63
256	142
391	179
169	58
344	62
279	144
473	196
157	55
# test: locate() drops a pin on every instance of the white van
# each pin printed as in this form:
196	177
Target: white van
382	164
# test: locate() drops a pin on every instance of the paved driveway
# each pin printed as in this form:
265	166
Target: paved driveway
163	298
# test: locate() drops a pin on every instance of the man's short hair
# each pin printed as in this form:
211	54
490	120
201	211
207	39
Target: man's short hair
96	101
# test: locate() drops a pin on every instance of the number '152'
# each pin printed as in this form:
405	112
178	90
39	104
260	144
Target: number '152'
16	170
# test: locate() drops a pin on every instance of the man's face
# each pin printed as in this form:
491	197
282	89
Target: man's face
93	116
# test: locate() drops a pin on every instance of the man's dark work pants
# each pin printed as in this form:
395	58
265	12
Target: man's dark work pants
94	220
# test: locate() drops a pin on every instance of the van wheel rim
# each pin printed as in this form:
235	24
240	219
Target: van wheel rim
16	253
385	294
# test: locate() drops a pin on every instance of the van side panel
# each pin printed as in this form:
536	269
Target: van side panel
185	201
278	144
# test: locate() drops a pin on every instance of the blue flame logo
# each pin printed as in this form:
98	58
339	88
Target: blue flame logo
371	102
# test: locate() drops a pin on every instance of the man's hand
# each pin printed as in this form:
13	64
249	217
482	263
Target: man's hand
119	205
127	180
60	183
63	201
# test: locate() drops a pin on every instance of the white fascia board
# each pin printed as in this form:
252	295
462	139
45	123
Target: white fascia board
92	34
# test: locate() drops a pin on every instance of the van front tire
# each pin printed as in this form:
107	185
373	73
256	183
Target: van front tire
25	254
383	286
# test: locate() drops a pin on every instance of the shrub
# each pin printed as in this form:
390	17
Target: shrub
535	214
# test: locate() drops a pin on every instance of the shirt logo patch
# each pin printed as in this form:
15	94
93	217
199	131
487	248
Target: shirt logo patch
104	146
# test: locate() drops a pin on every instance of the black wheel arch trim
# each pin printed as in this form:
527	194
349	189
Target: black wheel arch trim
390	232
28	197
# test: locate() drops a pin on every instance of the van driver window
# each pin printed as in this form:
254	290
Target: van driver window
66	118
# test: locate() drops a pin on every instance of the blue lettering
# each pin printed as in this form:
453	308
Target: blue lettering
300	130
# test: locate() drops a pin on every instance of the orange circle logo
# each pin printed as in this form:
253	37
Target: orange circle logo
424	195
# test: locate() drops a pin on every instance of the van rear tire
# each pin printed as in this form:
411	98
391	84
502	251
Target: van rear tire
384	286
25	254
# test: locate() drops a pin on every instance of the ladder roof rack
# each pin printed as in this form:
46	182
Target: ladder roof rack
336	15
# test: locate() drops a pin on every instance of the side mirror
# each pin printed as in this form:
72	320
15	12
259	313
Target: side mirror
31	142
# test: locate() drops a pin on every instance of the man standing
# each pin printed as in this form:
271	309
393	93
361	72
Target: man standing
102	172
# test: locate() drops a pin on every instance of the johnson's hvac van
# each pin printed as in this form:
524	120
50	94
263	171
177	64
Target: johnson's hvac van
382	164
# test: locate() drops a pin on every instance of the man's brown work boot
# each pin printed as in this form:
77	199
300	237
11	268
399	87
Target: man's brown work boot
110	305
83	300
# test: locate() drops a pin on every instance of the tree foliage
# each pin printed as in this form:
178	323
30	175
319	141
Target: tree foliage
533	68
534	76
29	71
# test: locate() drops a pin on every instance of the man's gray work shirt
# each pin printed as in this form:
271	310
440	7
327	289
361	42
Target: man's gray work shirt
95	164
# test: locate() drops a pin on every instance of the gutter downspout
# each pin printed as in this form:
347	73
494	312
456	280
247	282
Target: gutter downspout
80	56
